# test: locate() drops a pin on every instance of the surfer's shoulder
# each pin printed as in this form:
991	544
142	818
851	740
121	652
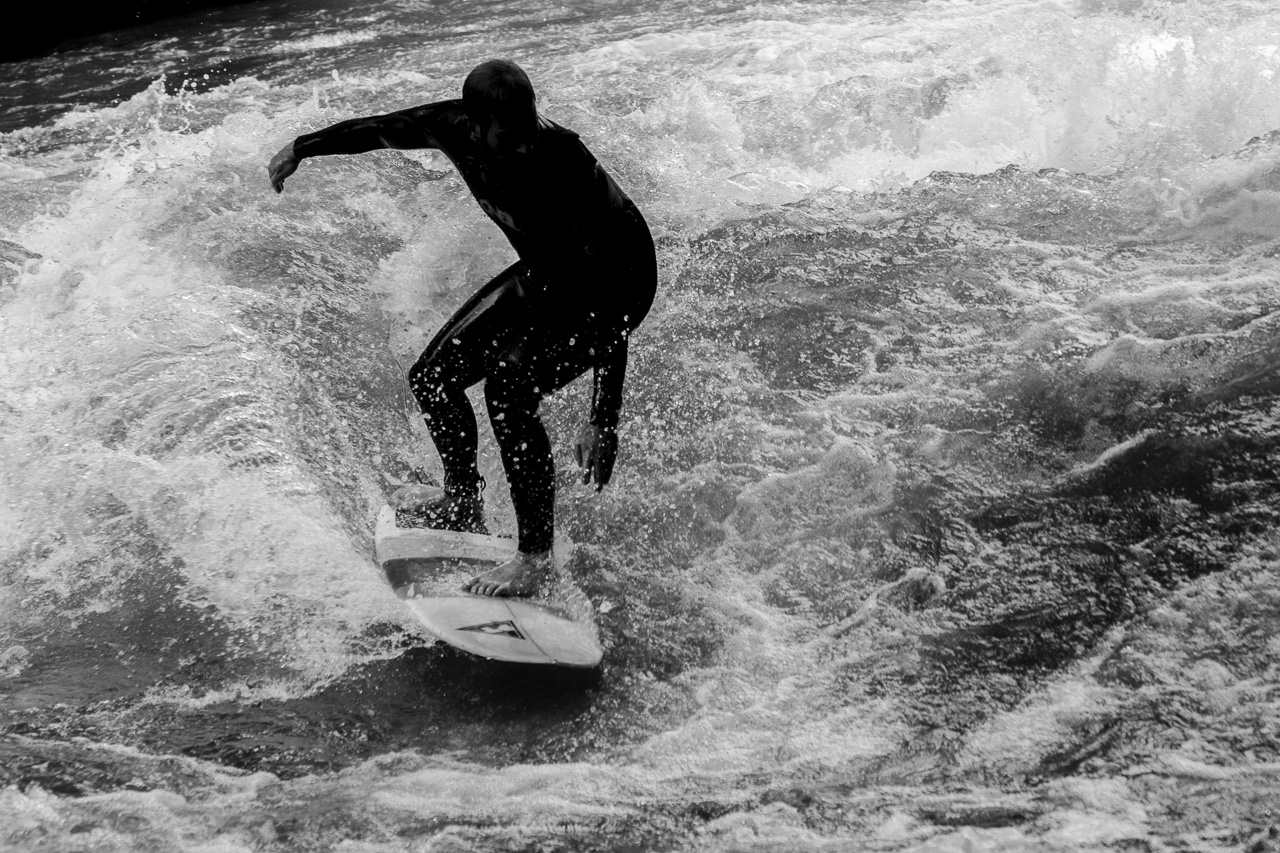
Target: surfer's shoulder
555	129
562	142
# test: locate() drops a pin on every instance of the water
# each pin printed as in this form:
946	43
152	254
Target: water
945	517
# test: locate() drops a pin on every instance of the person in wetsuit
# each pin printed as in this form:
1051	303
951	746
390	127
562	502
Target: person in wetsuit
585	278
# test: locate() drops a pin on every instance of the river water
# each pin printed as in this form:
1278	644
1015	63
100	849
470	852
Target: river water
947	505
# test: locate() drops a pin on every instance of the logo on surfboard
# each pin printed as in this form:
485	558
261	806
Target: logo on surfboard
505	628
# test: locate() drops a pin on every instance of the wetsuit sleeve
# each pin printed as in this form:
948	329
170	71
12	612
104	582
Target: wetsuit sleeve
610	373
419	127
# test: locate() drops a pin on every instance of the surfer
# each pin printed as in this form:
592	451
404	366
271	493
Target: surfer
585	278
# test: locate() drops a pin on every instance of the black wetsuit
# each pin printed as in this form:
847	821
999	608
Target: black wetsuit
585	279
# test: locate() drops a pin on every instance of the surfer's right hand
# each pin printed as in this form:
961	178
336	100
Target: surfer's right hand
595	451
284	164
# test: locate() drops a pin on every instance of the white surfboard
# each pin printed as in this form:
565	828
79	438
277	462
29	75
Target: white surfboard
427	569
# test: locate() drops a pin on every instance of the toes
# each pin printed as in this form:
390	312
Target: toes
477	586
480	585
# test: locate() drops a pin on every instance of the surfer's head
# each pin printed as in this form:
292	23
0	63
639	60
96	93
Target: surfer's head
499	98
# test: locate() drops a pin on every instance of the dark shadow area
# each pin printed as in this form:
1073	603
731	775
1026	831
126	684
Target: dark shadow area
428	699
33	29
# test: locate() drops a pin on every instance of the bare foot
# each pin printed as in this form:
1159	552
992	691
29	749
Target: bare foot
520	576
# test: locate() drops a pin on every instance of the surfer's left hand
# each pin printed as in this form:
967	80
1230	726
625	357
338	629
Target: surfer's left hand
595	451
284	164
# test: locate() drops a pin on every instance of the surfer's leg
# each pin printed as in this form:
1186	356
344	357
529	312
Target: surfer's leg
455	360
526	372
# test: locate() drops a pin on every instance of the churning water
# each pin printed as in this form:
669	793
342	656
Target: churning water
946	512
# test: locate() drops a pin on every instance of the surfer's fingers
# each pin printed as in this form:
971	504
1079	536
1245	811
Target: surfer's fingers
604	464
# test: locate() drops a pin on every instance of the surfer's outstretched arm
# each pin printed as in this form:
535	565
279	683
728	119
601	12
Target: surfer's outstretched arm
406	129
